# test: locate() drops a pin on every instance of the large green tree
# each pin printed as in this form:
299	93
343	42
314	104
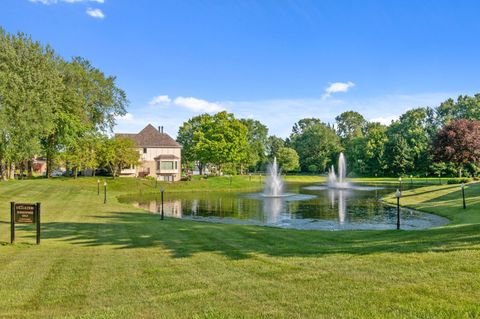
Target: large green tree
216	140
257	137
350	124
288	159
316	144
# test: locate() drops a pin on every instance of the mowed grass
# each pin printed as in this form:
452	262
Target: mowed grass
116	261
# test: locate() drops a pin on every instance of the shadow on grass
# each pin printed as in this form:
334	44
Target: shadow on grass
186	238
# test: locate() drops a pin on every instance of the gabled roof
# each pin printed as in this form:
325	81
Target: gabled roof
151	137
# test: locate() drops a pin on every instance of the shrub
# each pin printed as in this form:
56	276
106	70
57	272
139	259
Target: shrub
312	168
459	180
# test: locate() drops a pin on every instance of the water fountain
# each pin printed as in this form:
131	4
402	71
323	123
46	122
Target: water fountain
338	182
274	181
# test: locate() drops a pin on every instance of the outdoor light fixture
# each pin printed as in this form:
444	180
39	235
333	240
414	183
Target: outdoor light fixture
463	195
411	180
398	194
400	182
161	191
98	187
105	192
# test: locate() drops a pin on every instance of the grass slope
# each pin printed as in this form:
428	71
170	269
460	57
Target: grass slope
115	261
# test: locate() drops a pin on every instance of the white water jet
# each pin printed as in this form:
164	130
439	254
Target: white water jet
274	181
340	181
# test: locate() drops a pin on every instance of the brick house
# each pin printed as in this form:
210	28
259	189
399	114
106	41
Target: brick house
160	155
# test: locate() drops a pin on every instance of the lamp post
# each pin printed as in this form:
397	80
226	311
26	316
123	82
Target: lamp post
398	194
230	180
440	178
463	196
105	192
161	212
98	187
400	182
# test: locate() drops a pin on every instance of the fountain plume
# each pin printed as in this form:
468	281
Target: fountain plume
273	182
339	181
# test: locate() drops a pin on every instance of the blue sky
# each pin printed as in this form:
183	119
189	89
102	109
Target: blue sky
276	61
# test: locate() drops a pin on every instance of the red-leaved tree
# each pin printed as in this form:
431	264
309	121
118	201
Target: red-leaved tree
458	142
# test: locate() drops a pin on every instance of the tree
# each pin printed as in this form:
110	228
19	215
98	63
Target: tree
29	87
287	159
350	124
317	144
47	105
117	153
466	107
303	124
274	144
186	138
398	155
458	142
217	140
222	140
257	137
90	101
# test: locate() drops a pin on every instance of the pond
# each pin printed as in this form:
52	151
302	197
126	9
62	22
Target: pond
314	207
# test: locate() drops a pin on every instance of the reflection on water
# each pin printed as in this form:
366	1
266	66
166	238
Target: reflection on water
332	209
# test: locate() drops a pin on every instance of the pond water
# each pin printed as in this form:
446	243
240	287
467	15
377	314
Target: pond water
313	207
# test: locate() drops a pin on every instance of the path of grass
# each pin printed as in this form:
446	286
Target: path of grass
115	261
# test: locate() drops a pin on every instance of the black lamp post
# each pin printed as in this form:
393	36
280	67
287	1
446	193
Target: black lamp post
440	178
411	181
398	194
463	196
400	182
105	192
161	212
98	187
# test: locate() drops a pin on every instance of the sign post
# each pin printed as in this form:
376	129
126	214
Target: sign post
24	214
12	222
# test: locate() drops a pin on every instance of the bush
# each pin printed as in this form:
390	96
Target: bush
149	178
312	168
459	180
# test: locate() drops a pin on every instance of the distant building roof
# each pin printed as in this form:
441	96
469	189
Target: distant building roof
166	157
151	137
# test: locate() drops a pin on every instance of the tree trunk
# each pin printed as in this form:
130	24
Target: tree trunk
30	168
75	174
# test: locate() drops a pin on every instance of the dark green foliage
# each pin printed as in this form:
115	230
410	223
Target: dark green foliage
49	106
315	143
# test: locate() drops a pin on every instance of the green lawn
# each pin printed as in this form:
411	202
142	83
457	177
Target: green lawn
116	261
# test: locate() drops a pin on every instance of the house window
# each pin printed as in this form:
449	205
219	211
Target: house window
166	165
144	150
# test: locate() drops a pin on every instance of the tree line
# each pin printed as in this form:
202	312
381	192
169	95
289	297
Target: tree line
57	109
442	140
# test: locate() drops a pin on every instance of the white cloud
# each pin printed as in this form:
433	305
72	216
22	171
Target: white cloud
159	100
95	13
338	87
127	118
280	114
198	105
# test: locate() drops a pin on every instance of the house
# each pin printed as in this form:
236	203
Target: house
160	155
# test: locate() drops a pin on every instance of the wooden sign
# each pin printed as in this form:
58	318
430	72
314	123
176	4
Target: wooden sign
25	213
